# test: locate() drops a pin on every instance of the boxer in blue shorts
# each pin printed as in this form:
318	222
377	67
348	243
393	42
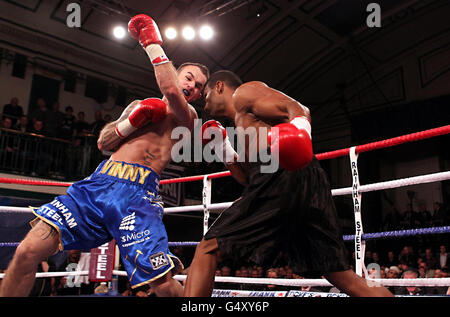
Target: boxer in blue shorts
120	199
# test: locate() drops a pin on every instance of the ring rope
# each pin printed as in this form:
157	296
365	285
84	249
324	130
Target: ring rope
275	281
417	136
436	177
365	236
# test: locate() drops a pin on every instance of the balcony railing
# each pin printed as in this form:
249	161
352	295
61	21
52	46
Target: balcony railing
36	155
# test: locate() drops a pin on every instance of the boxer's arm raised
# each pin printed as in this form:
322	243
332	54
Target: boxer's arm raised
167	79
145	30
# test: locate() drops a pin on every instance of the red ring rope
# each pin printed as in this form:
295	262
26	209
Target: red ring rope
322	156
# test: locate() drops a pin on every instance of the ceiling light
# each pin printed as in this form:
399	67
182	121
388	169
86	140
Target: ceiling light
171	33
206	32
188	33
119	32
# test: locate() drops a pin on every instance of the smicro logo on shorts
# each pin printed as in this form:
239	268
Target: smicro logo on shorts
128	224
134	236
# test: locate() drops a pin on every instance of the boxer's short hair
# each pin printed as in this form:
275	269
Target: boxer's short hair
228	77
204	69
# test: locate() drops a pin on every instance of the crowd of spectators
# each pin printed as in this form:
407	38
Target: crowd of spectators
50	121
432	263
51	143
410	218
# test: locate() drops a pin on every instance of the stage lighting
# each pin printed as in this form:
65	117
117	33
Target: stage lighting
119	32
171	33
206	32
188	33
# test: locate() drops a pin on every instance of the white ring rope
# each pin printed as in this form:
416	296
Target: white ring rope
415	180
275	281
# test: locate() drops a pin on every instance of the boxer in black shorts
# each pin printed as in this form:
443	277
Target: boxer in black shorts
288	208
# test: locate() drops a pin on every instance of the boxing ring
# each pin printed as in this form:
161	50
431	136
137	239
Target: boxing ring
359	238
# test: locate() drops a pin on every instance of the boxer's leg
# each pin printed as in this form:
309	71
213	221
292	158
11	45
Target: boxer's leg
41	242
200	277
167	286
354	285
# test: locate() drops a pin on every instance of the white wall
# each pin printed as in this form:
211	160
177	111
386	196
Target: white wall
17	87
14	87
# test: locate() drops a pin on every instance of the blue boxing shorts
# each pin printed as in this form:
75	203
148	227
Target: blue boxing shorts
118	201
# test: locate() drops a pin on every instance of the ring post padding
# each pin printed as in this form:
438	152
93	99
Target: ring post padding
360	245
206	202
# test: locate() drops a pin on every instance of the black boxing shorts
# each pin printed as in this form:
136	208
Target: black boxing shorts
291	212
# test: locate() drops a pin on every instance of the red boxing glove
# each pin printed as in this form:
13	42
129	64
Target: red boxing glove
148	110
144	29
213	127
293	143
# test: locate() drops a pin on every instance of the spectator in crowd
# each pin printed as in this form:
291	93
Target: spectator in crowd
72	285
392	219
22	124
439	290
244	272
423	270
368	257
53	121
6	123
98	124
375	258
81	126
260	270
407	256
430	259
37	158
410	273
393	272
13	110
102	289
424	215
8	146
410	218
390	260
37	127
68	122
226	271
271	273
444	258
289	273
40	113
439	215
